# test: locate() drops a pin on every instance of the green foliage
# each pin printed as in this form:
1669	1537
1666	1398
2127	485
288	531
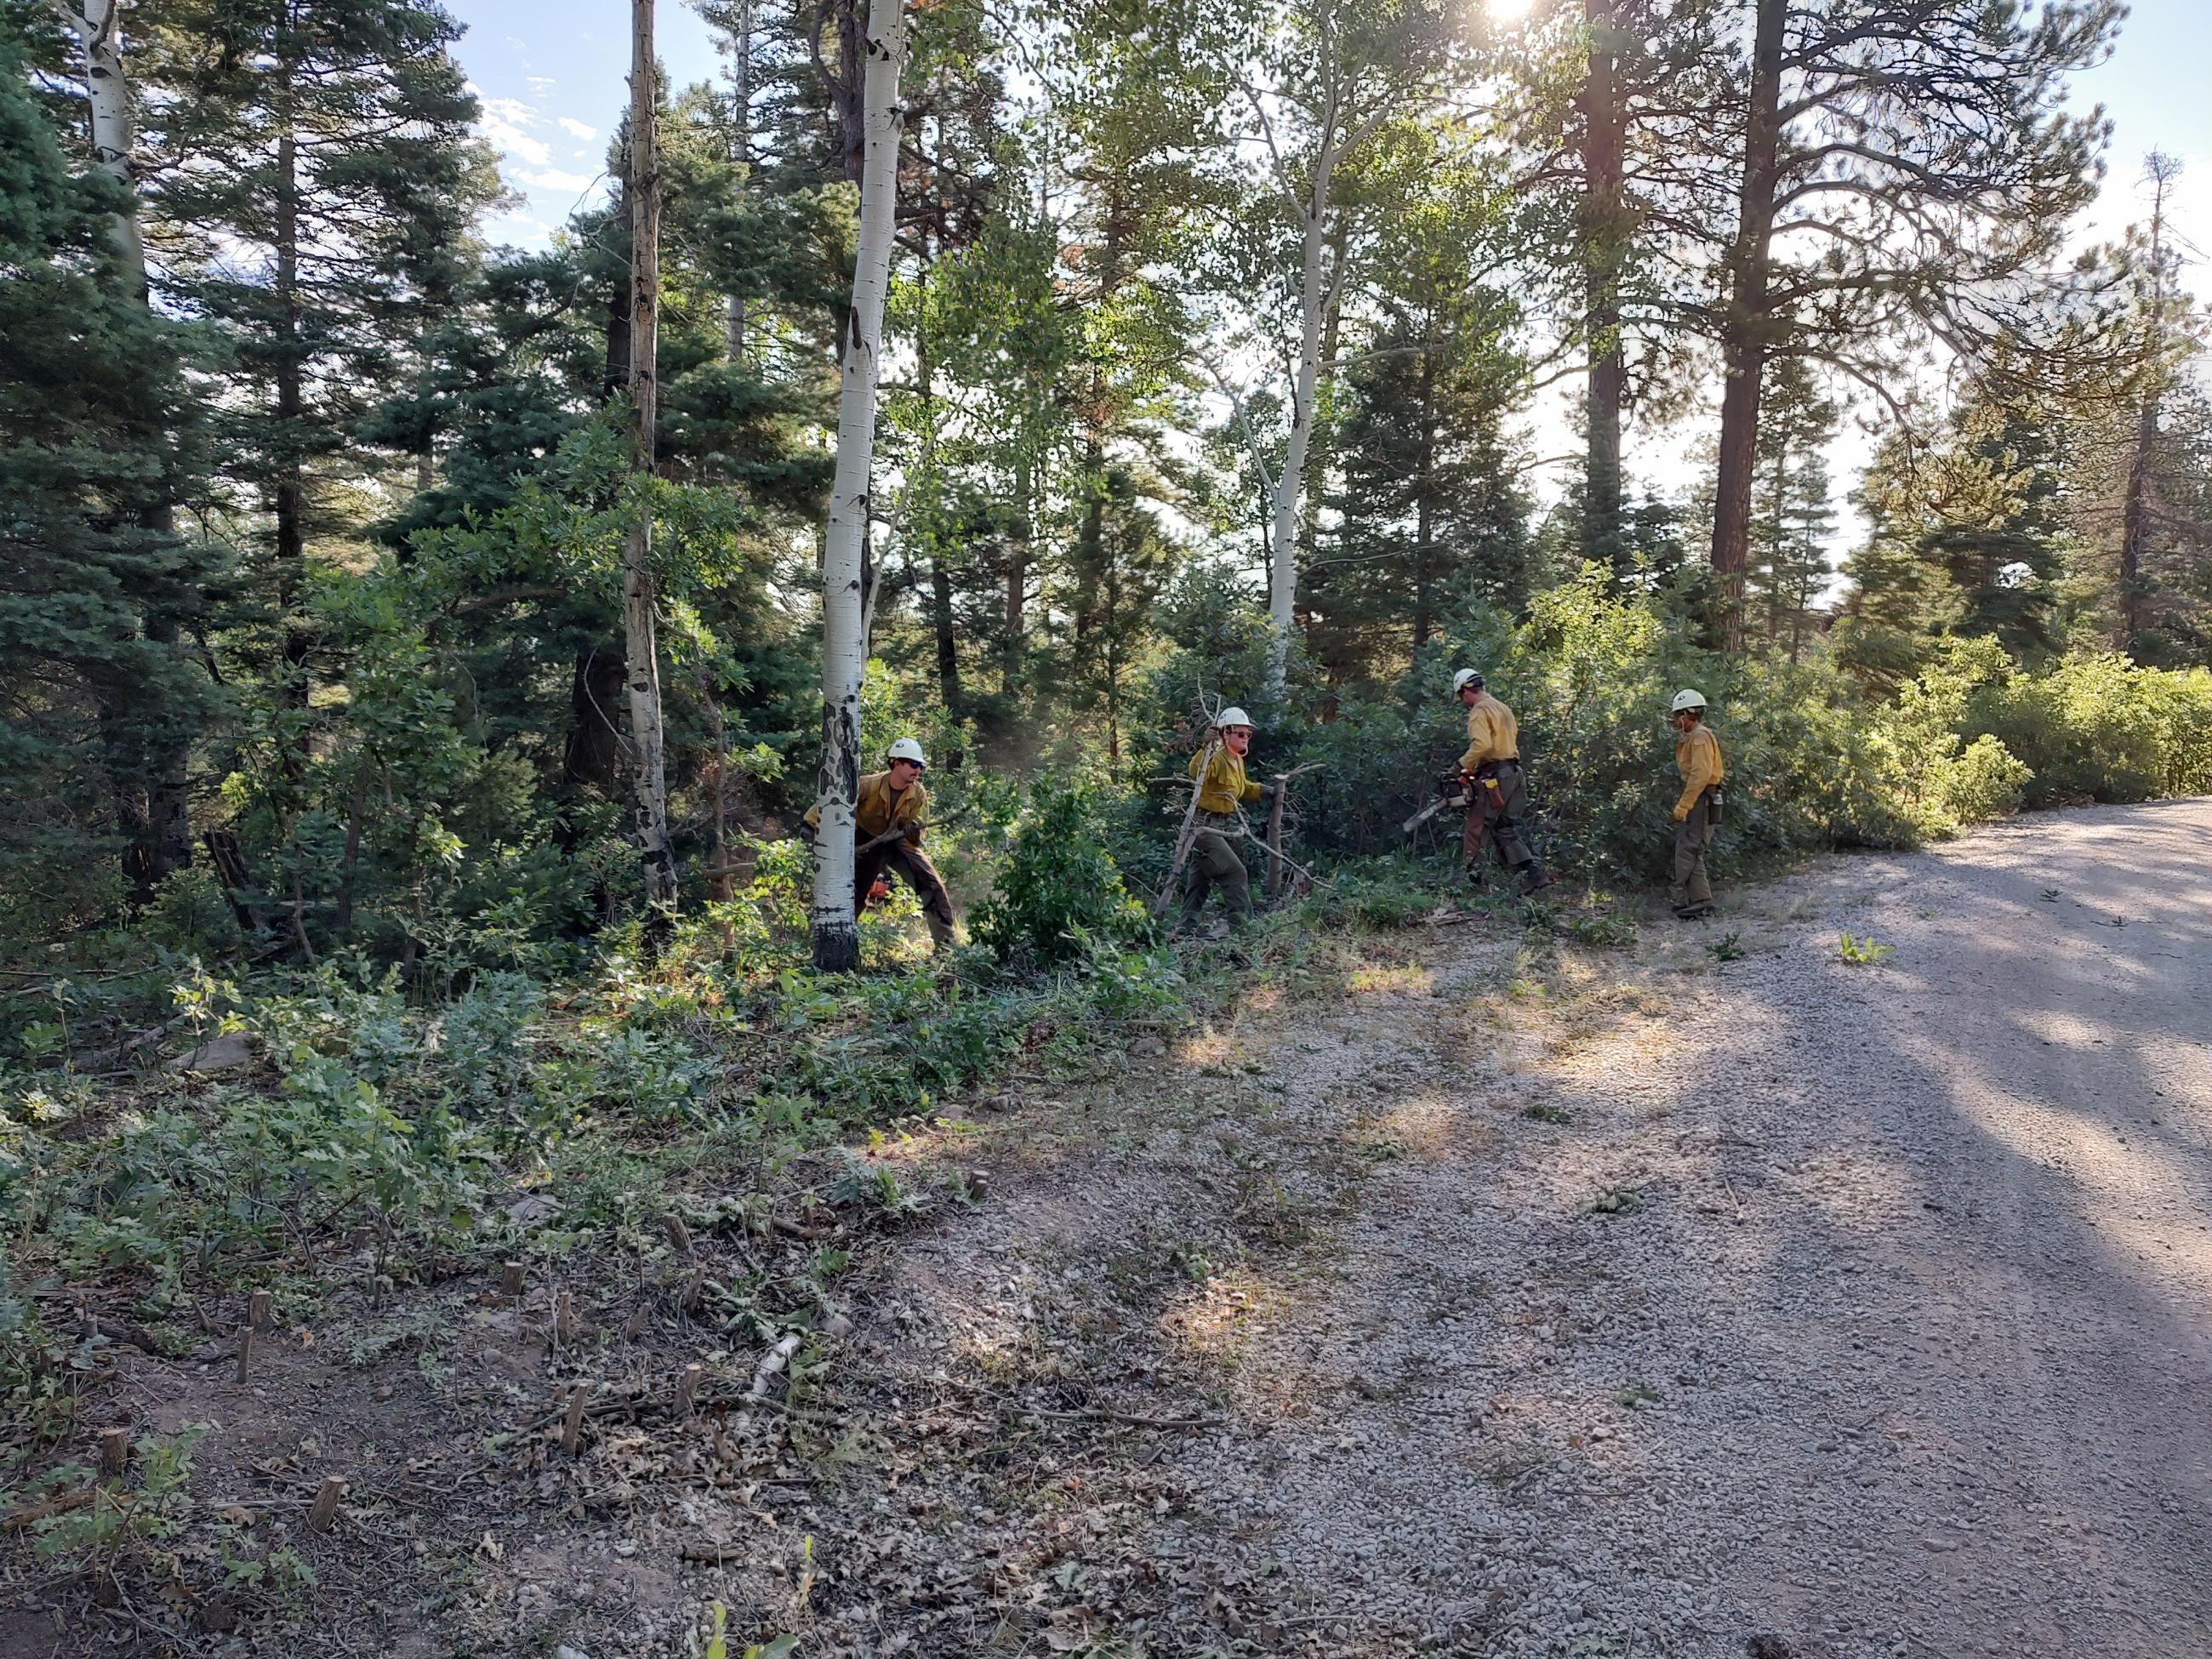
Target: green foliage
1385	894
2099	728
100	437
1058	890
123	1521
1861	952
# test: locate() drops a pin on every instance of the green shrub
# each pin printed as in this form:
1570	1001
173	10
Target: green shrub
2100	728
1387	893
1059	889
1984	782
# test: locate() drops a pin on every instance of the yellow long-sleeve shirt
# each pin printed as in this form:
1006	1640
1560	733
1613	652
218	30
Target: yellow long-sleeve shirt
1492	733
1225	783
878	807
1697	753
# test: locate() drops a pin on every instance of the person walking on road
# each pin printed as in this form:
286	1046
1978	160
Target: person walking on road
1698	812
894	799
1222	786
1492	761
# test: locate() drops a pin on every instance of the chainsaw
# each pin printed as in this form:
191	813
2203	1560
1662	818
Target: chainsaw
1454	792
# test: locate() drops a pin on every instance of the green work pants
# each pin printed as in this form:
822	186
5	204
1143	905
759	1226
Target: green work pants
1213	863
1496	817
909	862
1692	836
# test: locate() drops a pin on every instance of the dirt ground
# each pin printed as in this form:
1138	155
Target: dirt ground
1469	1291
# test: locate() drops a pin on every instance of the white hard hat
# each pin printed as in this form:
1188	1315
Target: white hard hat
1233	716
1465	677
1688	700
907	749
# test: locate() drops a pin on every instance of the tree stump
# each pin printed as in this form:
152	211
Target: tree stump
325	1508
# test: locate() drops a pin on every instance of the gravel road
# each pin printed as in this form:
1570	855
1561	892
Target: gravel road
1859	1306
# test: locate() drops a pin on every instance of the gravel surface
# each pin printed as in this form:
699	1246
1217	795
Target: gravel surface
1857	1306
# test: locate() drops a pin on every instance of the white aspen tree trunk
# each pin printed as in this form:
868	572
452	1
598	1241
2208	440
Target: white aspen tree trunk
1313	295
97	26
642	671
844	640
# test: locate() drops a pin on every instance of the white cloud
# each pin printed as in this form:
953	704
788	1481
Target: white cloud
504	123
555	178
576	129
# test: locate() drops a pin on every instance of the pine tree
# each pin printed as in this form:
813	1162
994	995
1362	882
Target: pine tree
1430	509
95	442
1900	173
1966	540
1431	512
1792	516
318	182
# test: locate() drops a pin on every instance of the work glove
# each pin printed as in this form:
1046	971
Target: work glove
1267	796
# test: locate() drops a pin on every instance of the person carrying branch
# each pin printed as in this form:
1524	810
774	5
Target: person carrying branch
1492	761
1698	810
1222	786
888	814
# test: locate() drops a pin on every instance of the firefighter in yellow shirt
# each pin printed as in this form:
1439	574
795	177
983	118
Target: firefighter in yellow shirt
895	798
1215	860
1501	798
1698	810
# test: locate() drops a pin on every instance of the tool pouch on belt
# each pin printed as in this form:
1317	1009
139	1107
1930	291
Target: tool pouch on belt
1716	805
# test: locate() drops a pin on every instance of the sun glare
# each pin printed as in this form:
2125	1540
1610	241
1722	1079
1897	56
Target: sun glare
1506	11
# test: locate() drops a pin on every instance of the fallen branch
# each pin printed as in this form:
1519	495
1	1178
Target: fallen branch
128	1336
1186	837
1260	840
774	1361
28	1513
713	1555
1093	1415
790	1228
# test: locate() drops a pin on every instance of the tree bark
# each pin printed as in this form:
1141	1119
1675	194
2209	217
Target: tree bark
948	643
835	930
614	377
1014	645
169	800
289	501
1425	500
1604	238
649	786
97	26
591	758
1745	323
2135	512
1313	296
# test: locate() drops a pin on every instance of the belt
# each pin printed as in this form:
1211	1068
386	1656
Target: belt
1492	769
1217	818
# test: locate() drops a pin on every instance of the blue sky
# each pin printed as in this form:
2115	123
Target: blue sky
553	79
2154	89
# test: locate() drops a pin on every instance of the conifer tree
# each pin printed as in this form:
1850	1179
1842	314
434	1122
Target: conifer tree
95	441
318	182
